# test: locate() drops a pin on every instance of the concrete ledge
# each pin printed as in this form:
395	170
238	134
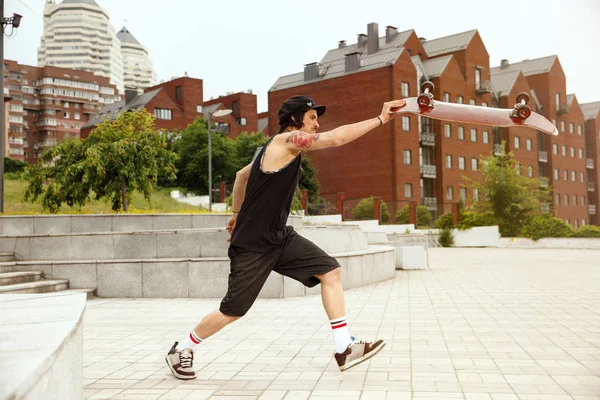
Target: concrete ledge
550	243
480	236
51	368
201	277
19	225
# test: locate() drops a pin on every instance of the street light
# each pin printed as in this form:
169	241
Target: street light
217	114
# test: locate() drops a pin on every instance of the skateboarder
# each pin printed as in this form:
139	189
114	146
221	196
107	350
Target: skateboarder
261	242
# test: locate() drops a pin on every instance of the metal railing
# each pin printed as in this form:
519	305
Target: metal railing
428	171
544	182
592	209
542	156
427	138
497	149
430	202
589	163
591	186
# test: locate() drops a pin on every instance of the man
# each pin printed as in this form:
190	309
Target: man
261	242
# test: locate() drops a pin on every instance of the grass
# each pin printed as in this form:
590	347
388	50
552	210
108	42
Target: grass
160	202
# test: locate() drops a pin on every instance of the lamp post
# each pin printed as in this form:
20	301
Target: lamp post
217	114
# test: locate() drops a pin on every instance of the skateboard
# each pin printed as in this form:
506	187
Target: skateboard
520	115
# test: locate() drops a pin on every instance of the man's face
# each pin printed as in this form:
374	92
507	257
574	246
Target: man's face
310	122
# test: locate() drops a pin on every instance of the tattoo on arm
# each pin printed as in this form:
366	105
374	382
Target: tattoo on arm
302	140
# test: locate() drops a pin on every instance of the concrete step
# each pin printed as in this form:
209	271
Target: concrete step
91	292
11	278
9	266
7	257
42	286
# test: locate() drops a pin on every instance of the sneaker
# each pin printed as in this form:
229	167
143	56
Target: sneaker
181	362
357	352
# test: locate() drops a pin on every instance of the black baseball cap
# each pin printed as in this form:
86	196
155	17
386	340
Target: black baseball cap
298	103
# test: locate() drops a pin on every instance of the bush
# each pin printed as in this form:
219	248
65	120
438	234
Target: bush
545	225
445	221
588	231
423	216
11	165
470	219
446	238
321	207
364	210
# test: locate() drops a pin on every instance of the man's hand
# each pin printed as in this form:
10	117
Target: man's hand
231	226
386	112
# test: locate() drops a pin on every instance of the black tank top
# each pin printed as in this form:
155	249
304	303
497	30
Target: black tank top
261	223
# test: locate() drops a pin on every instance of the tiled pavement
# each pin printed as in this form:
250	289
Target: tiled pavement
479	324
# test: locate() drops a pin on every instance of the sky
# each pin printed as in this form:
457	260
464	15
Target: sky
236	45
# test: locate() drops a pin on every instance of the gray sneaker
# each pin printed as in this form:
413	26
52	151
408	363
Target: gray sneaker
181	363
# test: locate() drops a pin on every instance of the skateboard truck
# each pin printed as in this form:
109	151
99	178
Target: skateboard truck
521	110
425	99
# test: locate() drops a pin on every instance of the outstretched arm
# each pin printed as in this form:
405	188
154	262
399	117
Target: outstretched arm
296	140
238	195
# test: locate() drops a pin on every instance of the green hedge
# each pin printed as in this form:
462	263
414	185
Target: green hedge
424	217
444	222
543	226
588	231
364	210
469	219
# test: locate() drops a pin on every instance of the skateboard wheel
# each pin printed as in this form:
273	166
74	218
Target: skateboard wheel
522	111
523	96
424	100
427	85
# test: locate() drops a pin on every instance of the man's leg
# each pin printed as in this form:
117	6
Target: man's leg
332	293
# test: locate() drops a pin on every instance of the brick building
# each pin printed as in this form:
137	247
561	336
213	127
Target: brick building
591	113
49	104
244	117
423	160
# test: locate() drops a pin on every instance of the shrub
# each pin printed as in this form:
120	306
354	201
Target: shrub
364	210
588	231
446	238
445	221
470	219
545	225
423	216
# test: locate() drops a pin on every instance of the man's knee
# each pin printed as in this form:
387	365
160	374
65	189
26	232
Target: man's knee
333	276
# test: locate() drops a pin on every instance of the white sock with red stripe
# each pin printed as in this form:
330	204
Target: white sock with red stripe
189	342
341	335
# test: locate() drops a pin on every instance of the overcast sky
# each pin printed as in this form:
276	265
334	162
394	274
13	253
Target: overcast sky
236	45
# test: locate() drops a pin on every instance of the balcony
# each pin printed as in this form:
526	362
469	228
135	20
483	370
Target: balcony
427	138
47	143
542	156
544	182
592	209
428	171
562	109
589	163
591	186
484	87
430	202
497	149
545	207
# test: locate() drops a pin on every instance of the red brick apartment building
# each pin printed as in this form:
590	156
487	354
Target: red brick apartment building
423	160
591	113
48	105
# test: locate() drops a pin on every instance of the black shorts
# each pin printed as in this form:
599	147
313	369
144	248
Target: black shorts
298	258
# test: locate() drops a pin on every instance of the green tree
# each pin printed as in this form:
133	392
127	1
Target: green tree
246	145
11	166
364	210
424	218
511	198
119	157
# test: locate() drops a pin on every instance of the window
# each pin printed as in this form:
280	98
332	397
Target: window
573	152
65	104
407	157
77	116
475	194
163	113
484	104
568	221
178	93
473	135
573	176
404	86
583	201
463	193
557	199
461	163
566	202
77	106
199	109
408	190
477	78
565	175
563	150
461	133
448	161
486	137
222	127
474	164
447	131
574	200
557	101
459	99
235	107
555	149
555	173
562	126
67	115
449	193
571	128
554	122
518	169
517	142
579	132
242	121
529	144
405	123
576	224
447	97
472	102
581	178
580	153
583	222
530	171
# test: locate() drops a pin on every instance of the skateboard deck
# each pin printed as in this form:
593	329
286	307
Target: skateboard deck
521	115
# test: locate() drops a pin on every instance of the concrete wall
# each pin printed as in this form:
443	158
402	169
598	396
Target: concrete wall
481	236
87	223
51	368
550	243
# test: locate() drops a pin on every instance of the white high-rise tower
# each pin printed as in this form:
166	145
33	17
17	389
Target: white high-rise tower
137	66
